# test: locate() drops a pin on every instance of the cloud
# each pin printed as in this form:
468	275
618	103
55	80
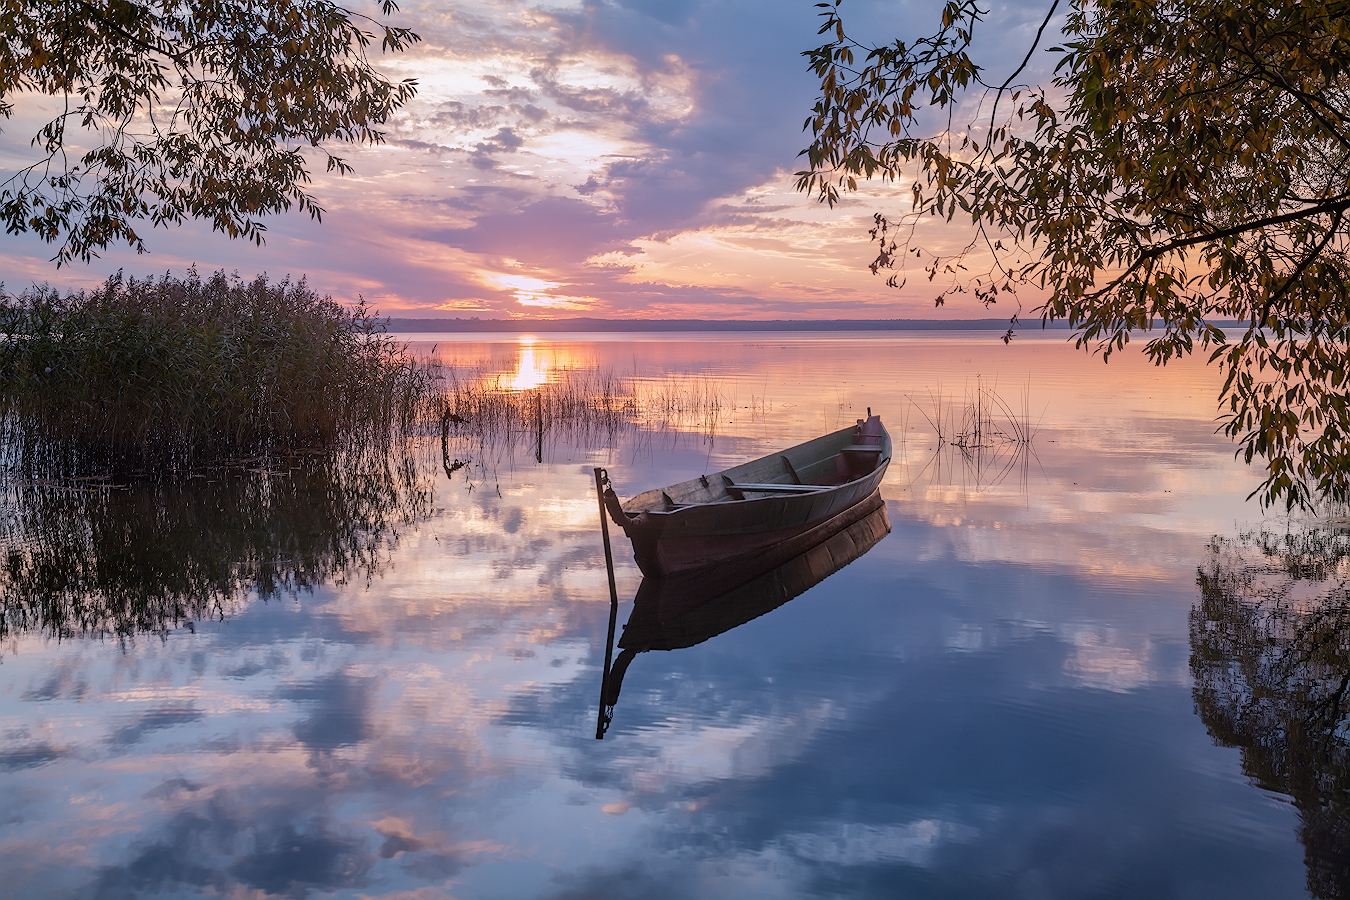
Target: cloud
65	682
222	845
549	232
545	136
293	862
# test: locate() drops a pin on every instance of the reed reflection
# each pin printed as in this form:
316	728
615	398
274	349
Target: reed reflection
683	611
91	558
1270	653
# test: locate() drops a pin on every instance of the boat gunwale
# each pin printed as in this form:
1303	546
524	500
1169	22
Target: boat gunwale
826	439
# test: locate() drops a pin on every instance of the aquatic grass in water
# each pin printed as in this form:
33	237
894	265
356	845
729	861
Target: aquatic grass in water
161	374
983	419
118	557
580	399
980	440
121	556
985	438
582	407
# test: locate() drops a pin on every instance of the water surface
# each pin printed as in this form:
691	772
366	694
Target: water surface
301	682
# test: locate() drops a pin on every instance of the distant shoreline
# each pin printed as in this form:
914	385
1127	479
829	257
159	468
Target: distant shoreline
400	325
471	326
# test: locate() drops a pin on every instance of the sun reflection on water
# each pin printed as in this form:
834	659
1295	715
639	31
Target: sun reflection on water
532	368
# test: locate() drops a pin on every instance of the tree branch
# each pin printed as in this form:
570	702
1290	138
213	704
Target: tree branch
1338	205
998	95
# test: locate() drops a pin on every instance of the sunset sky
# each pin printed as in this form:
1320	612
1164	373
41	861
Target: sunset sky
614	159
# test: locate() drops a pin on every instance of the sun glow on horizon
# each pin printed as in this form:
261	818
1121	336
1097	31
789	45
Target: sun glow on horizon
536	292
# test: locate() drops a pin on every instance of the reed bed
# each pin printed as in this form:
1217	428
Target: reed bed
163	374
579	405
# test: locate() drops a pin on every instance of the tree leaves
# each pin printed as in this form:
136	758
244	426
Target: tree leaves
175	110
1190	164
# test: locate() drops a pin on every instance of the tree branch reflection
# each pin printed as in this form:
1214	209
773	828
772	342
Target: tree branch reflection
1270	653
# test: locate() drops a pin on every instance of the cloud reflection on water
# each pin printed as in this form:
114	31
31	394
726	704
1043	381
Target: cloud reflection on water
994	701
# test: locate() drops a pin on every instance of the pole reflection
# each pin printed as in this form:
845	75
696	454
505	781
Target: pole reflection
1270	654
679	612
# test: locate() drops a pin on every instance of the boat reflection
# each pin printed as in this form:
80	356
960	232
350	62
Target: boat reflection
682	611
1270	653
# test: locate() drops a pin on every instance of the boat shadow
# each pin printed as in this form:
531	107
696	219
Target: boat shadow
685	610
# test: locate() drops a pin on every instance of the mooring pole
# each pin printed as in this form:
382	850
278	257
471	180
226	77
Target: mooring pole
539	430
601	480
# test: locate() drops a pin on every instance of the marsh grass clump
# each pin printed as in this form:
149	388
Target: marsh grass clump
578	406
579	400
165	373
982	438
984	419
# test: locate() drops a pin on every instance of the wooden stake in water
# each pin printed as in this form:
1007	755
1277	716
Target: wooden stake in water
601	482
539	432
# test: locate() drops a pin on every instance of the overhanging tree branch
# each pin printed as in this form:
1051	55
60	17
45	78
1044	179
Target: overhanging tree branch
998	94
1205	125
247	81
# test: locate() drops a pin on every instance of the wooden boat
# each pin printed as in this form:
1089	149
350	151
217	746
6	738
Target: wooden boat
748	509
672	613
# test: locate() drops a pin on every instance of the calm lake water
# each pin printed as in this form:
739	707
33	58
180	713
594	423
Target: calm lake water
1041	683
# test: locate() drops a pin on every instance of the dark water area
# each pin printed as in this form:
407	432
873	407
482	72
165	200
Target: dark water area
1079	665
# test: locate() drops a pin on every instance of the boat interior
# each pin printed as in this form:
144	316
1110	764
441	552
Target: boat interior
828	461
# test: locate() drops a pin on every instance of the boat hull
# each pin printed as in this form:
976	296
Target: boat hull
669	546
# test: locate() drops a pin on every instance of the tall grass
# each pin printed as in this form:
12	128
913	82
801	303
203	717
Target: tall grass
484	422
163	373
575	399
984	419
575	403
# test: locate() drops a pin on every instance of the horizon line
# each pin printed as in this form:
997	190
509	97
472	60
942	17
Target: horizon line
587	323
